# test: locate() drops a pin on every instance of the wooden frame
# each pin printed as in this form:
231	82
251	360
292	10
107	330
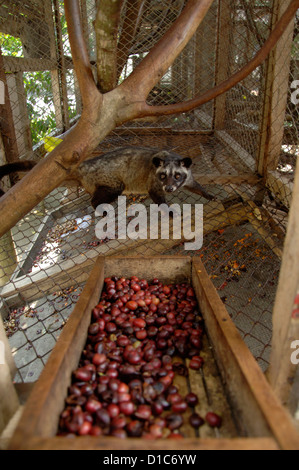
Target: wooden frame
258	413
285	321
276	94
9	401
222	63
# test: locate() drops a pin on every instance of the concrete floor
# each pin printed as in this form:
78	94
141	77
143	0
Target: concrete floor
35	328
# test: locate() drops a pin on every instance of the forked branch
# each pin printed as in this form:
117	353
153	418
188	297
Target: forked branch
103	112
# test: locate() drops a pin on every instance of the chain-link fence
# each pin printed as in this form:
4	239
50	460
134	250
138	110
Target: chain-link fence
244	146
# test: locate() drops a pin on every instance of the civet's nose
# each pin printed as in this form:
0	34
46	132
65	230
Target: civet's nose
169	189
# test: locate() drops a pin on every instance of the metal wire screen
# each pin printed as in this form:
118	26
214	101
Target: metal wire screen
47	256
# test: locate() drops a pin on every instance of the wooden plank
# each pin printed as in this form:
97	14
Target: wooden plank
160	131
20	8
20	64
6	121
257	220
4	344
256	406
281	187
183	387
9	402
7	434
276	94
41	414
285	324
18	100
166	268
206	384
245	157
88	443
205	54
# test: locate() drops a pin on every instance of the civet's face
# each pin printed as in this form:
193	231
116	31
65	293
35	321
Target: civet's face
172	171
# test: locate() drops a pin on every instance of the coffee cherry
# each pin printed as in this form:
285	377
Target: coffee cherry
191	399
196	421
213	420
123	386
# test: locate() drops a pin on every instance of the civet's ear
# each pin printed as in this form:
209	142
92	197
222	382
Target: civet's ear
159	158
157	162
186	162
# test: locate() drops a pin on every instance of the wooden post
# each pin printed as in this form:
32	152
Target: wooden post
281	372
62	68
58	74
222	60
8	259
6	121
18	99
276	93
54	72
205	52
9	402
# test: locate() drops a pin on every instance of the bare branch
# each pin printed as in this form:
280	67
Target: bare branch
225	86
106	28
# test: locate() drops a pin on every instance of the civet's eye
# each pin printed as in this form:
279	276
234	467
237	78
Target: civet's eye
163	176
177	176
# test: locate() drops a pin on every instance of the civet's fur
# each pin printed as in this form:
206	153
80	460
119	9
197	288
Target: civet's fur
9	168
136	170
129	170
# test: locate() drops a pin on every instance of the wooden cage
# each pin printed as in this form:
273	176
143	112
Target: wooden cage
253	418
244	145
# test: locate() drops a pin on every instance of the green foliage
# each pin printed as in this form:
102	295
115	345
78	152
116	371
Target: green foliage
40	104
10	45
38	87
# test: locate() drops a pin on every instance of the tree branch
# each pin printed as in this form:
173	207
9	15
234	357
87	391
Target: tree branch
157	62
88	88
185	106
102	113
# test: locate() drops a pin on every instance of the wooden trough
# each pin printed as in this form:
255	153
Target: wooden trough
231	382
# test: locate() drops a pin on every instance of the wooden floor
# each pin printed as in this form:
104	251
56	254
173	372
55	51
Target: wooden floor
208	386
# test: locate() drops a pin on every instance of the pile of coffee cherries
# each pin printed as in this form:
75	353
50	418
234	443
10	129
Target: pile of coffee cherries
124	386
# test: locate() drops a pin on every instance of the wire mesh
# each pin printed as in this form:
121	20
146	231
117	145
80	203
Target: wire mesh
47	256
